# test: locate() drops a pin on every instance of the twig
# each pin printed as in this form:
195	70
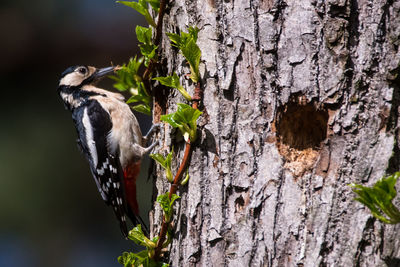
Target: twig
188	148
152	64
159	106
197	96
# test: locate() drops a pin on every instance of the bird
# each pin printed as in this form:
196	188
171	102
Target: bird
109	136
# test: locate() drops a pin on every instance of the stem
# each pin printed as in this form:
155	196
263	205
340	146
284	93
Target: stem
152	63
197	96
159	98
149	69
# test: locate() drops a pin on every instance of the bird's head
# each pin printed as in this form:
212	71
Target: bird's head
81	75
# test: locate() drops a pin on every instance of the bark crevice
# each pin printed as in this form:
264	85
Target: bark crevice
244	205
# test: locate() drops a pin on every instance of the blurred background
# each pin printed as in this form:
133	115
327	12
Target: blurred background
51	213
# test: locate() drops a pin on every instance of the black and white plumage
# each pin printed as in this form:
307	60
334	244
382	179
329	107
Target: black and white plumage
109	136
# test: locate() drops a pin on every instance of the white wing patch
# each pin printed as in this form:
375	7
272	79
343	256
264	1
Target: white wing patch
89	137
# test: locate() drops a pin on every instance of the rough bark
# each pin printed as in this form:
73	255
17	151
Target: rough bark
301	98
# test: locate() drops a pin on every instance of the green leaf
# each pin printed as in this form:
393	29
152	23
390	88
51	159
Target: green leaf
160	159
188	113
186	42
129	259
170	119
149	52
175	39
155	5
141	7
186	179
168	170
173	198
166	204
192	54
168	81
126	77
125	257
185	119
147	48
142	108
173	81
165	162
378	199
139	98
144	34
193	32
182	39
137	236
135	5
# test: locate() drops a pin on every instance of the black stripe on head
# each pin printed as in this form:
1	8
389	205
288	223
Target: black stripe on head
68	70
71	69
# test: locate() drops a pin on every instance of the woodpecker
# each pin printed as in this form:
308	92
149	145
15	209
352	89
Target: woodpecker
109	136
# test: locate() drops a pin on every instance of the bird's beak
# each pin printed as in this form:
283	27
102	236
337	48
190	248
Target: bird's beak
103	72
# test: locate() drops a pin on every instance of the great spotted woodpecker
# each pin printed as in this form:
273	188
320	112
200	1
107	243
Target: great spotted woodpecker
109	136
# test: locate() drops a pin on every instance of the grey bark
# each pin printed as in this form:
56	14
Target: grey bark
301	98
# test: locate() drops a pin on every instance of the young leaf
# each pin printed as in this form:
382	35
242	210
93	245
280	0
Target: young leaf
186	42
155	5
165	163
160	159
170	119
185	119
192	53
144	34
126	77
379	198
175	39
166	204
141	7
139	98
137	236
143	109
129	259
182	39
186	179
193	32
147	48
173	81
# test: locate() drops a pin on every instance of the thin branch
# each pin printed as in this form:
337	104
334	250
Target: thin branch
197	96
158	106
188	148
157	39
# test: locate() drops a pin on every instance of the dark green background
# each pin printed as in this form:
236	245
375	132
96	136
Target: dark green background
50	211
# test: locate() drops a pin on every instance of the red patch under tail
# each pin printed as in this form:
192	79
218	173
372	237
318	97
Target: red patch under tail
131	172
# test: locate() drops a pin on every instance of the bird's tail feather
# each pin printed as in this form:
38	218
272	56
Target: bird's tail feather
131	173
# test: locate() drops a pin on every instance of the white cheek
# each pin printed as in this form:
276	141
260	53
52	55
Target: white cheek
71	79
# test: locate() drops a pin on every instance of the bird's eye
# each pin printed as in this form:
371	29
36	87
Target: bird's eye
82	70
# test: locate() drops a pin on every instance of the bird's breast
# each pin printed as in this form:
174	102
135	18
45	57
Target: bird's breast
125	131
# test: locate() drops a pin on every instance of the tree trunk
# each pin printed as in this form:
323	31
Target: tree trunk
301	98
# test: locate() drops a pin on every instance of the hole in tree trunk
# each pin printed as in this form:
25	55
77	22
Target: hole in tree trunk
301	126
300	129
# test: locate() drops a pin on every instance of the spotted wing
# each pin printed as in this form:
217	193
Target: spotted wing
93	124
